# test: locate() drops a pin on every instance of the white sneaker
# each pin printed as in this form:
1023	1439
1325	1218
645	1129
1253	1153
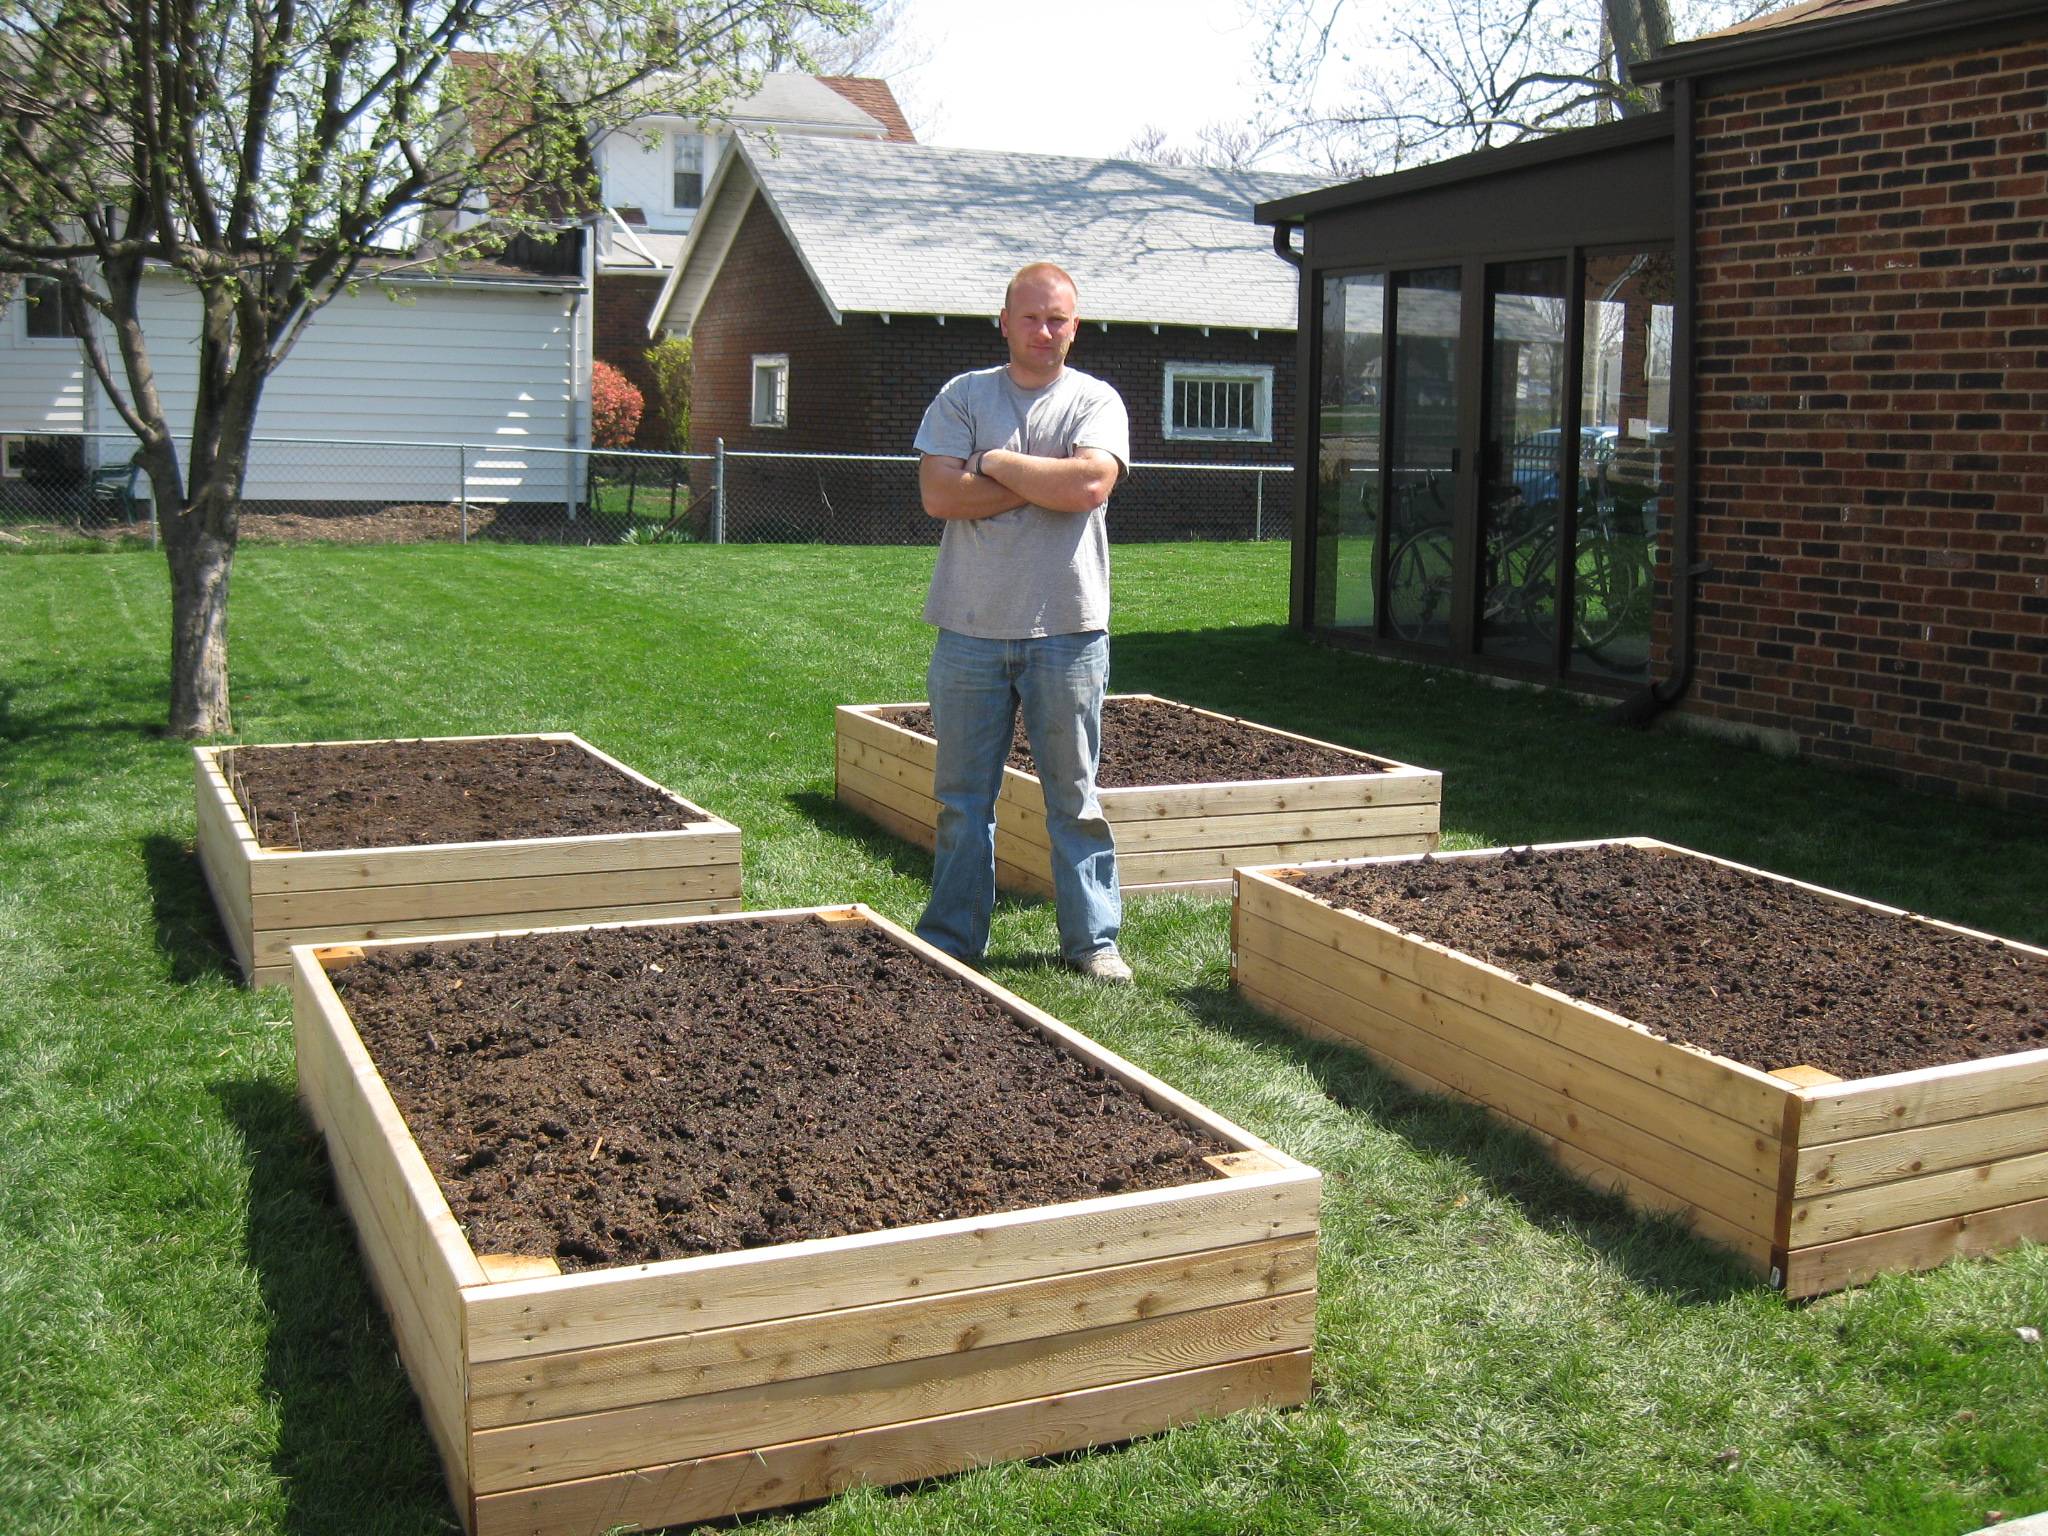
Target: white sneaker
1105	965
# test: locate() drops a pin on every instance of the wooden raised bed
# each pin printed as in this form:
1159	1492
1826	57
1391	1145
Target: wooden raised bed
1168	836
271	898
1818	1182
692	1389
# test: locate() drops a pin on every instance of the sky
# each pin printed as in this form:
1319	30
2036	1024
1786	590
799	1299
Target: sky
1078	77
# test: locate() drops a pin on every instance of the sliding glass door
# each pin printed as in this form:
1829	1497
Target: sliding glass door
1422	456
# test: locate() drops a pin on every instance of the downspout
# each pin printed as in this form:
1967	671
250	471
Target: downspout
582	313
1640	709
1301	555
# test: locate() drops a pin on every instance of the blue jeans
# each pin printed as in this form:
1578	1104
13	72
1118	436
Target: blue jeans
976	688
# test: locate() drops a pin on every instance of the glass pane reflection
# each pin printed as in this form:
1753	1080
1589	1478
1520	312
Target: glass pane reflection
1625	459
1522	460
1348	507
1422	455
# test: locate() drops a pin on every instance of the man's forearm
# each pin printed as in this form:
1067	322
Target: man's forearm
950	492
1078	484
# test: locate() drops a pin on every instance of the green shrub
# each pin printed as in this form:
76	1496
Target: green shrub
669	361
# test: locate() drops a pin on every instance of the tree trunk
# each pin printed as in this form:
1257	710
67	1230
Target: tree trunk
200	561
1639	29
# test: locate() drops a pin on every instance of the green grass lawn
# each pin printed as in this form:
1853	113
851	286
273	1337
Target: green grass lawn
187	1340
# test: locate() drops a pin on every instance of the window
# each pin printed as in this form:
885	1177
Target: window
771	391
43	311
688	189
22	454
1219	401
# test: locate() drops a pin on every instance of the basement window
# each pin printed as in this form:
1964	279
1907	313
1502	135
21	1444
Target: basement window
771	390
1219	402
19	452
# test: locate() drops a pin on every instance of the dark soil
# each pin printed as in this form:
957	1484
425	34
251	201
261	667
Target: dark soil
1151	741
624	1095
402	794
1755	970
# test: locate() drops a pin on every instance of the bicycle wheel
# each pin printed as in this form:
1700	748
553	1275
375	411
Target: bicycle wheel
1419	584
1610	594
1526	599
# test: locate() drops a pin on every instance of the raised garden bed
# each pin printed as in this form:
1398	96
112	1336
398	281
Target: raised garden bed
379	839
639	1394
1892	1109
1189	794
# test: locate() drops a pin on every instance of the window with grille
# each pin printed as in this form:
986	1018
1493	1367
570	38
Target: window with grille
1219	401
688	190
771	391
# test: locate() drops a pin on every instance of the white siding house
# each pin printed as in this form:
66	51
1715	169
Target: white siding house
496	356
495	361
42	384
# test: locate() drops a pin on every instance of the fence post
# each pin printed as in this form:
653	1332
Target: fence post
462	486
1259	507
718	498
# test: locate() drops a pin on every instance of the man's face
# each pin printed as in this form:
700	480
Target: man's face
1040	325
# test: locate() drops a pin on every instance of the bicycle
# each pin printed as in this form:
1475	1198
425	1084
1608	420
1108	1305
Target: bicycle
1610	583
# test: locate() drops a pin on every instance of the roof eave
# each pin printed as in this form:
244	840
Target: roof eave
696	245
987	317
1832	41
1568	145
657	317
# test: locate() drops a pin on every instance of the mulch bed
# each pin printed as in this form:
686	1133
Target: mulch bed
1149	741
402	794
1751	969
418	523
624	1095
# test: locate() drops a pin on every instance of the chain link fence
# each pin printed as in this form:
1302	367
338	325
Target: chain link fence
311	490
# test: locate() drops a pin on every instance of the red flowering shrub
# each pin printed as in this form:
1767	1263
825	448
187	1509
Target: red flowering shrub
615	407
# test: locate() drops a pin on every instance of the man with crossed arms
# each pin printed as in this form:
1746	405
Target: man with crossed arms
1019	462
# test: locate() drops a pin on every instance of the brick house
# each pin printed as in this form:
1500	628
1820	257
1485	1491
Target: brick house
1739	409
647	183
832	285
652	177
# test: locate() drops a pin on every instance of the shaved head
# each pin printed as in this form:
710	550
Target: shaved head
1038	269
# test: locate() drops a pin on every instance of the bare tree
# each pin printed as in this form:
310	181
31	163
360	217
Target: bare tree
260	152
1420	82
1224	146
881	43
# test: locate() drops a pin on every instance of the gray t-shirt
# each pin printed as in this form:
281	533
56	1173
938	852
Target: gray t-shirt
1029	572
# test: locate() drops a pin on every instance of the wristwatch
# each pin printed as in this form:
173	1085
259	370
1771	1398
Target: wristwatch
974	461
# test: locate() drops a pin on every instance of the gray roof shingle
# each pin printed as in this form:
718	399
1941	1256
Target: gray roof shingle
920	229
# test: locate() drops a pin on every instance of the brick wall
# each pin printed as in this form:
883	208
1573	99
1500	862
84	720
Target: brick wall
1872	419
862	387
763	302
619	329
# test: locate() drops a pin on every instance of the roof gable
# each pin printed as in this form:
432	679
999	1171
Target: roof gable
892	228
